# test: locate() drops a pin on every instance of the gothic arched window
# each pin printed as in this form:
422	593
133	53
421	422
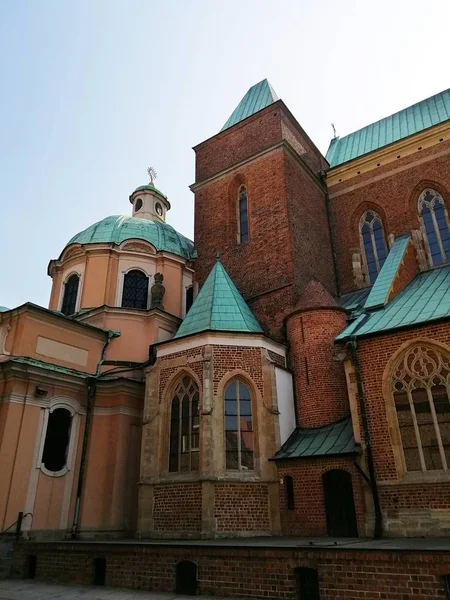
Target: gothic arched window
435	227
69	302
54	456
238	427
135	290
242	210
184	427
373	243
421	385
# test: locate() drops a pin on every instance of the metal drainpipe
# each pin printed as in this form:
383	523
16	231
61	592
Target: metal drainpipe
91	387
378	528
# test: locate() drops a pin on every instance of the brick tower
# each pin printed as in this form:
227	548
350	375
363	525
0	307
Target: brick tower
260	201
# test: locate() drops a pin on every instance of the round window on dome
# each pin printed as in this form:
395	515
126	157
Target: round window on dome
159	209
138	204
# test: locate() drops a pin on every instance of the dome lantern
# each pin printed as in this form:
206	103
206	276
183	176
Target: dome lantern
148	202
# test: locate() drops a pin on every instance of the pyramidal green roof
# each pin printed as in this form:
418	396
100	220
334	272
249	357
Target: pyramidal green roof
406	122
259	96
219	307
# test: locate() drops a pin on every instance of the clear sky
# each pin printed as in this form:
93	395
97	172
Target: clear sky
94	91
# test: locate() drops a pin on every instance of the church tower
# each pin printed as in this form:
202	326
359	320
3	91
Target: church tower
261	202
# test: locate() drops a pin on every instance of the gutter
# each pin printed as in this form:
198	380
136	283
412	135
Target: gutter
352	344
91	389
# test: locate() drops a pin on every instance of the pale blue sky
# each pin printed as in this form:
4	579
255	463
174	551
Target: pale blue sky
93	91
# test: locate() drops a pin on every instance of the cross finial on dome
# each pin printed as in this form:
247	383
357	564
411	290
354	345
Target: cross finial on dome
152	174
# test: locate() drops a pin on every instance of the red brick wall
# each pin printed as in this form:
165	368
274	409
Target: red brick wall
394	197
319	380
308	517
178	507
265	572
242	507
229	358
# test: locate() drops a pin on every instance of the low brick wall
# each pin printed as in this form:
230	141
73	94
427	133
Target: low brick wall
243	571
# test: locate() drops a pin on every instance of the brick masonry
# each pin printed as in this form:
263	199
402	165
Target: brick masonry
248	572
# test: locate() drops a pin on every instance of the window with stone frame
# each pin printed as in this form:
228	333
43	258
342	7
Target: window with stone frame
135	290
57	437
242	214
239	450
184	427
421	386
69	303
435	226
373	244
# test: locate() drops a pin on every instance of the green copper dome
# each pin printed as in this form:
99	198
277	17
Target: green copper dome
117	229
149	187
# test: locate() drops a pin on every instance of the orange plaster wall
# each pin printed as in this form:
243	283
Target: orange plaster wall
95	278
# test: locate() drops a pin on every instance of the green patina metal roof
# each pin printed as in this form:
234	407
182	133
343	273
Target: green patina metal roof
330	440
149	187
116	229
258	97
411	120
425	299
3	309
354	300
219	307
379	293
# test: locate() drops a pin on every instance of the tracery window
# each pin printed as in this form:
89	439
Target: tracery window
373	243
69	302
184	427
421	387
135	290
242	209
238	427
435	226
57	437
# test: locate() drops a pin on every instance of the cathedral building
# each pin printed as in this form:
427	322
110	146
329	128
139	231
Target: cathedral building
285	374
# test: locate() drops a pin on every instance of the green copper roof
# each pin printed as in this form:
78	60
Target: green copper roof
258	97
425	299
354	300
117	229
330	440
219	307
380	290
402	124
149	187
3	309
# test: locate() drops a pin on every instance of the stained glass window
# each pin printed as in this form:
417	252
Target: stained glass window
373	244
135	290
420	389
238	427
69	302
435	227
243	214
184	427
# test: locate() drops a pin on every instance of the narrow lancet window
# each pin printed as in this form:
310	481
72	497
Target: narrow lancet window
373	244
184	427
242	215
435	226
238	427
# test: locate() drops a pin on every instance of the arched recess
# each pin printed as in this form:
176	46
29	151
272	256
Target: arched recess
434	224
416	385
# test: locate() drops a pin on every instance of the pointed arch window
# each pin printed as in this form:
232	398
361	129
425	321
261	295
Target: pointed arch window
421	385
373	243
435	226
135	290
242	210
69	302
184	427
238	427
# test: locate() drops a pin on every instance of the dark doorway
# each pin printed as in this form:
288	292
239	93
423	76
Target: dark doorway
306	584
99	571
31	566
186	578
339	504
